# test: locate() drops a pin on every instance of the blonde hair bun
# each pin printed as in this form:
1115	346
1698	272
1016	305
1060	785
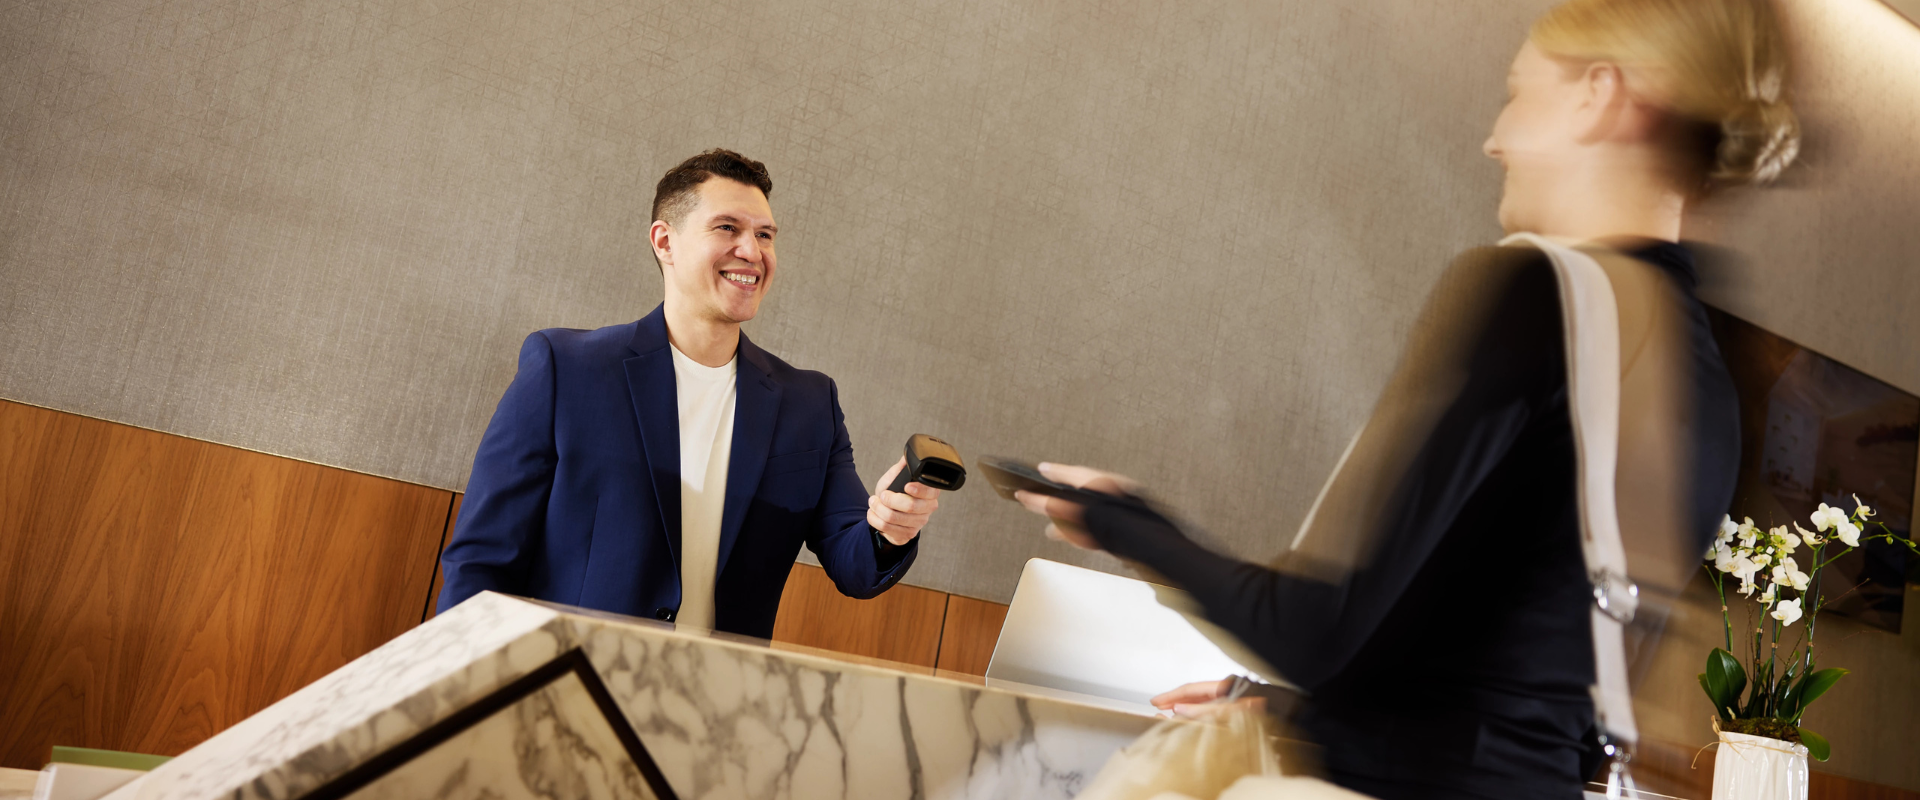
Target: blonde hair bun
1758	140
1720	64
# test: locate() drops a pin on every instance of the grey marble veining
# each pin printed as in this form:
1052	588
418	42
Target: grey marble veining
728	720
371	704
723	718
554	742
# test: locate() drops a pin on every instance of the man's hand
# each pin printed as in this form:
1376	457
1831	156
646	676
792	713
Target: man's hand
1066	514
899	516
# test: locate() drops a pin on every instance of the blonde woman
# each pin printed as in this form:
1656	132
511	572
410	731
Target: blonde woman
1436	605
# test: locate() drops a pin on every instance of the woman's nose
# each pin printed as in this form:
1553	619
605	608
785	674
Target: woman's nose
1491	148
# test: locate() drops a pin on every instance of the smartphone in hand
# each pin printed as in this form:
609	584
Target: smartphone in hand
1009	475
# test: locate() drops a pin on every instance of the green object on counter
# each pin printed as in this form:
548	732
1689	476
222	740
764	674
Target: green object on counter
90	757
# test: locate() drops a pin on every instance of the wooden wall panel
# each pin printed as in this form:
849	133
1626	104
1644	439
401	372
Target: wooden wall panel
158	589
1674	770
901	625
1822	786
967	638
446	535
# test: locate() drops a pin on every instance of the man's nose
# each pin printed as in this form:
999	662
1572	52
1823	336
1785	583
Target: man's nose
748	250
1490	148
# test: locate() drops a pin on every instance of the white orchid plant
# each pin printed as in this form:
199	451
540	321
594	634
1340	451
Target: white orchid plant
1767	695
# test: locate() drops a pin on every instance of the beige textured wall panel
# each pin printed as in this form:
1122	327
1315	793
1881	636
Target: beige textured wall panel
1177	240
1911	8
1180	240
1831	258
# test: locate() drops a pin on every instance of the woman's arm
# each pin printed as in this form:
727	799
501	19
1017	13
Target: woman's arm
1482	362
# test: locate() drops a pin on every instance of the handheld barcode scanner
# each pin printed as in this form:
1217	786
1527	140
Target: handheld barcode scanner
931	462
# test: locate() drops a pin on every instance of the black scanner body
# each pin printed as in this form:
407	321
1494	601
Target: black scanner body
931	462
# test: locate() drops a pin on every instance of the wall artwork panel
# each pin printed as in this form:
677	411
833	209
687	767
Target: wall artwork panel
1814	430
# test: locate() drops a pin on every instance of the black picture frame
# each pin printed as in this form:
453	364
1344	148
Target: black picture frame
573	661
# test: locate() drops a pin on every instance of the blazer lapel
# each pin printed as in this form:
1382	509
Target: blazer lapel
657	407
756	405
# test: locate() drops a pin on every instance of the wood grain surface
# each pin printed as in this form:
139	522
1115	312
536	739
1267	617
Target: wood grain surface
1686	772
901	625
971	629
1826	786
446	535
158	589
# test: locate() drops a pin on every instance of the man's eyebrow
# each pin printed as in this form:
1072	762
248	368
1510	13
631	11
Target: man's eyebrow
724	218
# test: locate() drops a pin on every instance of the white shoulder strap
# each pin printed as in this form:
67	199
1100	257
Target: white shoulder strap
1592	322
1593	398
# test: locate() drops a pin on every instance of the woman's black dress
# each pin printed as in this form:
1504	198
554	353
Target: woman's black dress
1456	660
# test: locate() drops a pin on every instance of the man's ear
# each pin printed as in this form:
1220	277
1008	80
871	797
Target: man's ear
661	235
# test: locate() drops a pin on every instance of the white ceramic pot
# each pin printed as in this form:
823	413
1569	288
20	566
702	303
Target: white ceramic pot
1759	768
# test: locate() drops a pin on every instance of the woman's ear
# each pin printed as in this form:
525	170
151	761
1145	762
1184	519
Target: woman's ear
1604	103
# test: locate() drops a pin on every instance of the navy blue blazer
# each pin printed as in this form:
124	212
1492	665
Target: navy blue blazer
575	492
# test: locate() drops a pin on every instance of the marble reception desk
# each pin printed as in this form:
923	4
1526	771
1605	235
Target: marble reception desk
509	698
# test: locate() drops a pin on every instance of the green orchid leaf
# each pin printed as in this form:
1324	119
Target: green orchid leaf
1817	745
1725	679
1716	688
1818	683
1756	698
1788	709
1785	696
1796	701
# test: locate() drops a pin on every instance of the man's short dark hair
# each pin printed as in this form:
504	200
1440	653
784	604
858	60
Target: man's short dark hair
674	197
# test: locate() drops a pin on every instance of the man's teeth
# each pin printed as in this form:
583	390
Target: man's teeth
743	280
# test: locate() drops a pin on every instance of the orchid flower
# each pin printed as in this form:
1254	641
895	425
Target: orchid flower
1788	573
1788	611
1827	516
1798	579
1812	539
1724	560
1861	509
1744	568
1787	540
1728	530
1848	533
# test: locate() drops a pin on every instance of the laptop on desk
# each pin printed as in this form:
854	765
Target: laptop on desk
1077	630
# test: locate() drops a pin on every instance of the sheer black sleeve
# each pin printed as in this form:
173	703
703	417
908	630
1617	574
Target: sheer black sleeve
1485	361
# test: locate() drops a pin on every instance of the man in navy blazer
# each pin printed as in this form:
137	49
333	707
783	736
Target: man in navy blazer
669	468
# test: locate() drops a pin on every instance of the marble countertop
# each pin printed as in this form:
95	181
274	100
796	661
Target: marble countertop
723	716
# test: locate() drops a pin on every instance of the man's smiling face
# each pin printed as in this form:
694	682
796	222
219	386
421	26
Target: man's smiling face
719	259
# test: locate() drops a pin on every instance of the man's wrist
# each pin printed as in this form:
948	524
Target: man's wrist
885	552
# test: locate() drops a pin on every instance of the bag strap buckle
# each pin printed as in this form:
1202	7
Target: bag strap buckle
1616	595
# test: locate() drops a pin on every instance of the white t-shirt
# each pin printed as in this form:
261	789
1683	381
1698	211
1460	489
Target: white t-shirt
706	440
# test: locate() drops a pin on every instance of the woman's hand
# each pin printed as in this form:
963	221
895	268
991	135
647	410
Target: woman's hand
1196	700
1066	514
